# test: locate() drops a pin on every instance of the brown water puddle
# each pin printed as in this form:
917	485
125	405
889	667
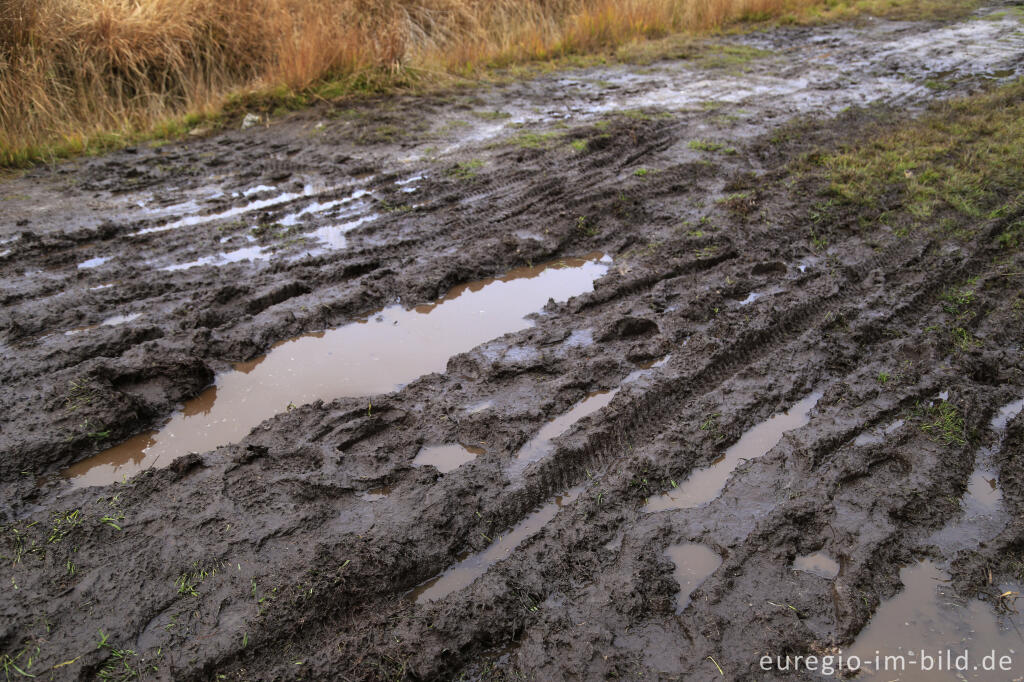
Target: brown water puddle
705	484
472	566
818	563
540	445
909	636
447	457
376	354
983	514
375	494
694	563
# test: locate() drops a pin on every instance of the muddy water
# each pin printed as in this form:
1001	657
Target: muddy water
982	512
704	485
874	437
446	458
818	563
694	563
925	619
540	445
375	494
473	566
373	355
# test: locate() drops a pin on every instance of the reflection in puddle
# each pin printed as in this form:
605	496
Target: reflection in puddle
877	436
540	445
258	189
983	494
704	485
111	321
253	253
105	467
480	406
982	512
1006	414
332	237
321	207
375	494
374	355
93	262
473	566
926	618
580	338
751	298
115	320
446	458
252	206
819	563
694	563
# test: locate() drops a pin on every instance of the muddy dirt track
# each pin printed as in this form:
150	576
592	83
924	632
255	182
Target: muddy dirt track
559	379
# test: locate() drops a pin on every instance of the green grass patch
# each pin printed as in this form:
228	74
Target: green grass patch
962	162
710	146
943	423
466	170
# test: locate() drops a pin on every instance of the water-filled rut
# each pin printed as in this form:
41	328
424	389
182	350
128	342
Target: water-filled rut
373	355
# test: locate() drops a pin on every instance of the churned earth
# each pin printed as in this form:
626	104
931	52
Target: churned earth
565	378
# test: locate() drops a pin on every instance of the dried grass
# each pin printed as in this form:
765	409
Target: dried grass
75	70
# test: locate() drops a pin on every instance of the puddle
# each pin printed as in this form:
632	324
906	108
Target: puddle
120	319
1006	414
446	458
877	436
247	253
909	636
751	298
332	237
819	563
982	512
111	321
580	338
377	354
102	286
473	566
694	563
318	207
375	494
257	205
93	262
983	493
705	484
480	406
407	185
539	447
258	189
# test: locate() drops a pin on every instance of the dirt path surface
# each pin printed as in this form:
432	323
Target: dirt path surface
560	379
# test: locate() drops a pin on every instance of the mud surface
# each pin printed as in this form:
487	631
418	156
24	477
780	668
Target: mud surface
673	423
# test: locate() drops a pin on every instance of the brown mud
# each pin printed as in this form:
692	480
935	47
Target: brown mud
473	501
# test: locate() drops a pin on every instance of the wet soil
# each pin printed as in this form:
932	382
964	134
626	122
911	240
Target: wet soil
403	389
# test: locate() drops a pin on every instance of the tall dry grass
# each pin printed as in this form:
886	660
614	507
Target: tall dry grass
73	70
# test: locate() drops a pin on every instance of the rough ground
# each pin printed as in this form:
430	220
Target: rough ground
266	559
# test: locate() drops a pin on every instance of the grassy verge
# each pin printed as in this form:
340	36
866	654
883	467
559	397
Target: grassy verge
83	76
946	171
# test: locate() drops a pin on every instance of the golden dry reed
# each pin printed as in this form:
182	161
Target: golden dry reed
75	70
